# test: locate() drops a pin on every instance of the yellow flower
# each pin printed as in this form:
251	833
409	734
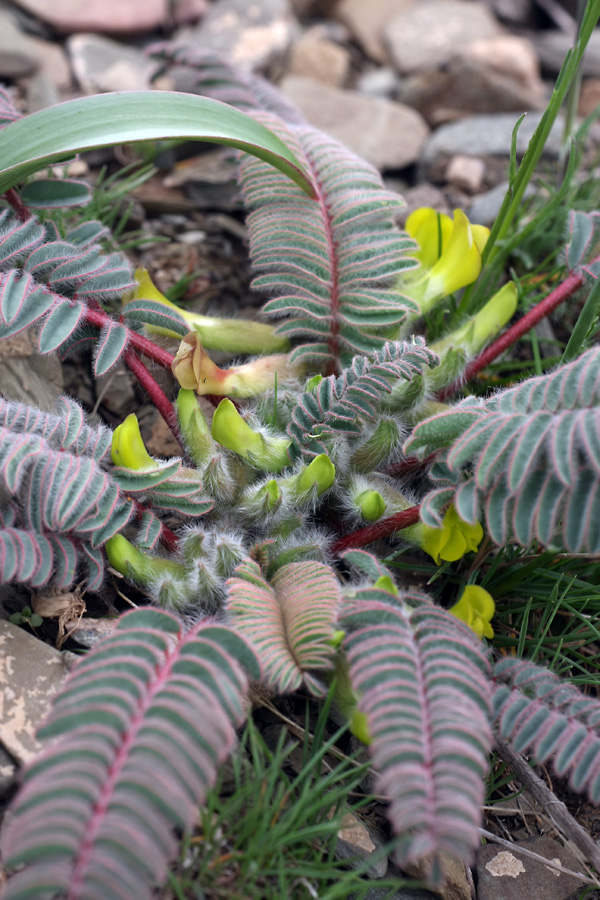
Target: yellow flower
476	607
128	448
452	540
478	330
450	253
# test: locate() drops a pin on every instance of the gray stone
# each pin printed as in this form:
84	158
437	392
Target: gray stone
485	207
426	32
367	22
31	673
504	874
101	64
389	135
41	93
466	173
377	893
497	74
252	34
89	631
17	57
317	57
357	842
483	135
454	886
104	16
552	47
380	82
28	377
514	12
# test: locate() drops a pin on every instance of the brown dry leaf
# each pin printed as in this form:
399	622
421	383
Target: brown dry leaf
66	606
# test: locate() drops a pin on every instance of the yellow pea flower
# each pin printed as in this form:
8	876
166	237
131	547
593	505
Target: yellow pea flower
450	253
476	607
484	325
128	448
452	540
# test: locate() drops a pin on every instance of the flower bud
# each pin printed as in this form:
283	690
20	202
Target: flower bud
140	567
385	583
259	502
382	442
128	448
319	475
371	505
263	451
194	427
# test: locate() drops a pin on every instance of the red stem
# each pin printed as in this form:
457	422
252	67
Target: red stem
410	465
14	200
379	530
100	319
565	290
156	393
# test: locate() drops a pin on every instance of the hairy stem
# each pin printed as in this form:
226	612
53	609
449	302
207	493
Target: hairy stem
100	319
379	530
155	392
12	198
167	537
565	290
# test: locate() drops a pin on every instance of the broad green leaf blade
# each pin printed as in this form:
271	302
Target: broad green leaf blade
55	194
110	347
51	134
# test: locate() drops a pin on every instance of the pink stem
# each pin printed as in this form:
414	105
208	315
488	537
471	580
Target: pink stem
379	530
565	290
14	200
100	319
156	393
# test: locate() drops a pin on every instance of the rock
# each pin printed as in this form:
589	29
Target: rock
27	376
493	75
41	93
101	64
387	134
514	12
589	99
368	20
466	173
319	58
376	893
313	7
31	672
100	16
115	390
483	135
507	875
552	47
380	82
52	63
455	885
426	32
209	179
185	12
8	771
485	207
252	35
16	54
357	842
424	194
89	631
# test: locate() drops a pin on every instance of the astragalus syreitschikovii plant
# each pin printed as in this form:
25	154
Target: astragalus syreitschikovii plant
309	462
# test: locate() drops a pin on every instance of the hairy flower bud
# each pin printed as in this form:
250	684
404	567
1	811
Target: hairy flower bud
371	505
381	444
319	475
140	567
263	451
194	428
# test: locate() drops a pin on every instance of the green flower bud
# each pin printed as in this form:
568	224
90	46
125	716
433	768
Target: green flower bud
386	584
140	567
230	430
320	473
371	505
261	501
194	427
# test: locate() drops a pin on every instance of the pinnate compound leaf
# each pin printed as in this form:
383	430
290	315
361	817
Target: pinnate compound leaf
422	680
540	713
289	622
97	813
152	313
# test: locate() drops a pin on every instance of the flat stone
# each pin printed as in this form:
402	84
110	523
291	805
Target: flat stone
466	173
483	135
552	47
357	842
497	74
31	673
16	54
455	885
389	135
252	34
100	16
101	64
504	874
317	57
380	82
27	376
434	30
423	194
90	631
367	22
